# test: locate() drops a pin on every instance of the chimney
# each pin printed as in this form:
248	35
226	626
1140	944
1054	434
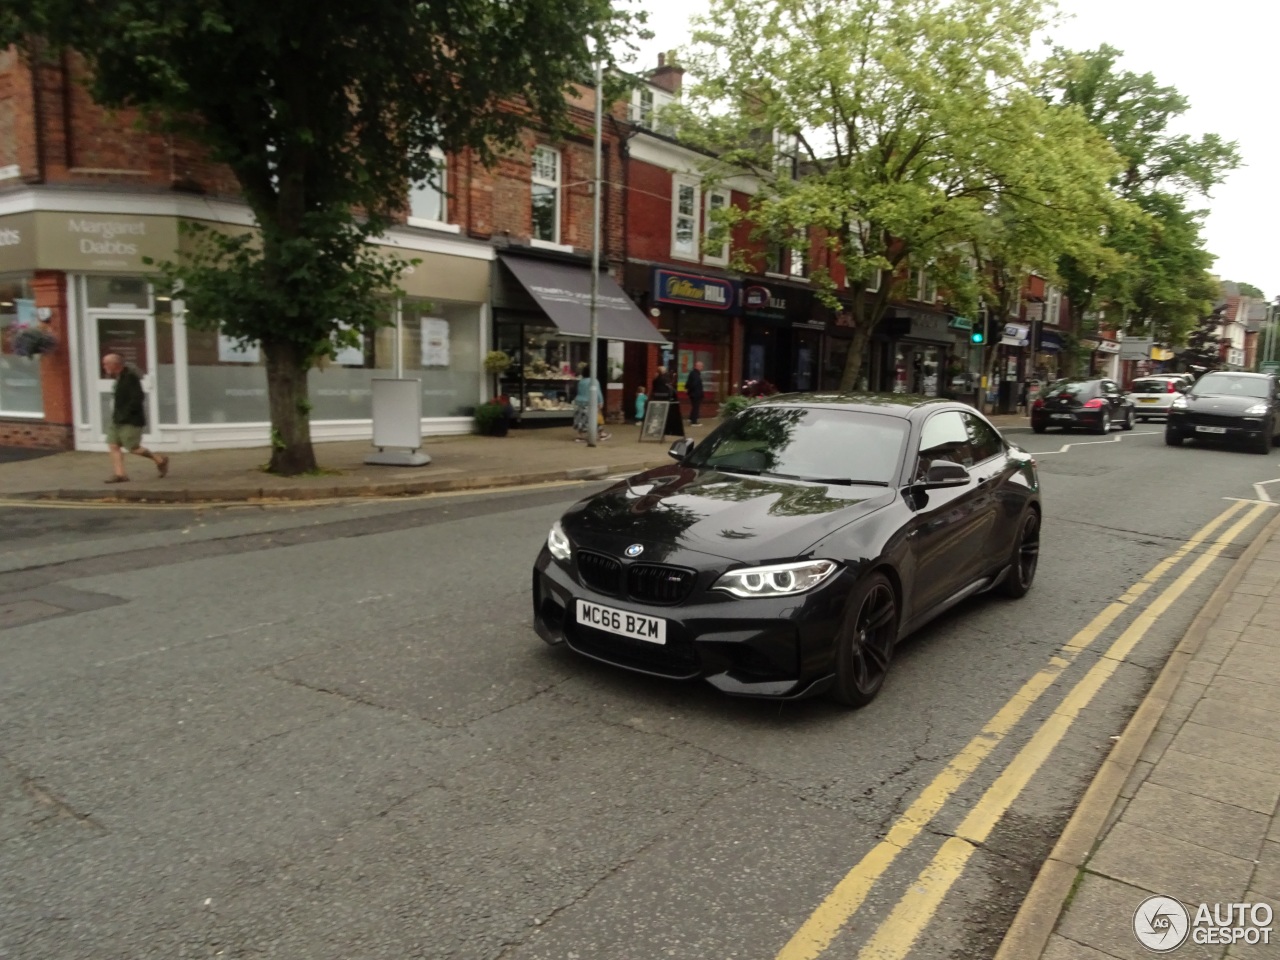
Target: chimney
669	76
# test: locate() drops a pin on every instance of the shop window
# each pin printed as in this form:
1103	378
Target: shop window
546	195
440	345
166	380
428	201
543	377
684	219
118	293
717	200
20	390
226	379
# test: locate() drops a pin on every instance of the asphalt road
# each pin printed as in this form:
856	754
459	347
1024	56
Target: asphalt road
329	732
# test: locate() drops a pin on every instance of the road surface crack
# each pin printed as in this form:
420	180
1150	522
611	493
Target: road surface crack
59	809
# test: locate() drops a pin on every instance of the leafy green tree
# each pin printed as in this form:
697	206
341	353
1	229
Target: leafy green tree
1161	283
1249	290
907	119
1204	345
325	112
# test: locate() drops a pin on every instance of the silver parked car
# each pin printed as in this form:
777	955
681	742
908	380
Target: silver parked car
1153	396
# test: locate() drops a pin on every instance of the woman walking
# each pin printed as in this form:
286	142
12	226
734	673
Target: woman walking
582	405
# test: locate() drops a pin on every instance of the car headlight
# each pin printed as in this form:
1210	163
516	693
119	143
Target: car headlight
1257	410
558	542
776	580
1179	403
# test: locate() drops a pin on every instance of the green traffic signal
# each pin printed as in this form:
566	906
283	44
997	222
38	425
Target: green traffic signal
977	336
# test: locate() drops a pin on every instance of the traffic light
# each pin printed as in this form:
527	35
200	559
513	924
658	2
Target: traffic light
977	336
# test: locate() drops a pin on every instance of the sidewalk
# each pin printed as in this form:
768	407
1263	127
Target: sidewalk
536	455
1186	805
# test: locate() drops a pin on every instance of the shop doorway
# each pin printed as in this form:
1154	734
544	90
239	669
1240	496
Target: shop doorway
132	335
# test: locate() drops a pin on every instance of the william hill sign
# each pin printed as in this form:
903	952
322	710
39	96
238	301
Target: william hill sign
684	289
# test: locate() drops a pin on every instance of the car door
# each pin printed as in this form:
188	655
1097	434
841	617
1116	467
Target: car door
998	513
943	548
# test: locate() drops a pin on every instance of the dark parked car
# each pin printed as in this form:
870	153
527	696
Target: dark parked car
1242	407
790	551
1095	405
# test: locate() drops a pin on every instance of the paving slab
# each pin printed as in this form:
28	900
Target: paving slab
1101	919
1240	749
1219	826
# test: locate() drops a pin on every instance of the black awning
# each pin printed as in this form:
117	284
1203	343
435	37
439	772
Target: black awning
564	293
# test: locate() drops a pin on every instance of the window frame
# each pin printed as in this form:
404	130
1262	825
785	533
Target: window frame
681	182
442	190
964	428
719	259
798	257
555	185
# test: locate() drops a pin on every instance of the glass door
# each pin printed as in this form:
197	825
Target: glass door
133	338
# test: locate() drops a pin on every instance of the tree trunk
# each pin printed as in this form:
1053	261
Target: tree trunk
854	361
291	450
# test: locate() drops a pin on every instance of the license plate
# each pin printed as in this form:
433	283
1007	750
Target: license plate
625	624
1061	416
1146	399
1211	429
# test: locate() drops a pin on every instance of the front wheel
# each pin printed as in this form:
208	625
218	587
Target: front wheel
1173	439
1263	444
1105	425
865	642
1025	559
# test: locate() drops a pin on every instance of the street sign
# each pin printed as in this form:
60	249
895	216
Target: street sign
1270	366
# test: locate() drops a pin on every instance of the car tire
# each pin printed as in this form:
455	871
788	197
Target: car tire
1025	559
865	641
1263	444
1105	426
1039	427
1128	421
1142	419
1173	439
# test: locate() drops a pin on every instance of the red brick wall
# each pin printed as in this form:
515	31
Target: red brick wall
35	434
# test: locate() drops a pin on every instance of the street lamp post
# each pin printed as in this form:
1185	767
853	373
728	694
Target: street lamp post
594	404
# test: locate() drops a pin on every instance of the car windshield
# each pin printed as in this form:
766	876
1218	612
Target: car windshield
1070	388
1151	386
804	443
1226	385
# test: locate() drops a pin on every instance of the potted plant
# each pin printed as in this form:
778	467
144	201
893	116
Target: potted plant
493	418
495	364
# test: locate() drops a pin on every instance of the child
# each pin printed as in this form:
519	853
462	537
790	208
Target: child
641	400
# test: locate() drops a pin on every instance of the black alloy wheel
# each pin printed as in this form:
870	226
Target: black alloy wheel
1128	421
1025	559
1172	438
1105	425
865	641
1263	444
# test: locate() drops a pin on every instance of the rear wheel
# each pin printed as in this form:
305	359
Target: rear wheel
864	644
1104	426
1128	421
1025	559
1039	427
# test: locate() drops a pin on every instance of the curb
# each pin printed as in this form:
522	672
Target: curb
1035	921
249	494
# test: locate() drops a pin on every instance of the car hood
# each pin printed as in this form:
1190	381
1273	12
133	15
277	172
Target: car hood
1227	406
674	509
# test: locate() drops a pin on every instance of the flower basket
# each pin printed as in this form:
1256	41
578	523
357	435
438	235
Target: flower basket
33	341
493	419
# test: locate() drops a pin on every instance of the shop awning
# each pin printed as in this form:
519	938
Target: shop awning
563	291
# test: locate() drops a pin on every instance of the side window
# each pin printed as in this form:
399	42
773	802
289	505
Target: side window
985	441
945	437
1109	388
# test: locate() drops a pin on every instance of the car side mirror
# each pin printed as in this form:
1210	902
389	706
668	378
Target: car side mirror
1183	388
945	473
680	450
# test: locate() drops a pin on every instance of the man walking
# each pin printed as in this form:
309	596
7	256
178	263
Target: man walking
128	418
693	387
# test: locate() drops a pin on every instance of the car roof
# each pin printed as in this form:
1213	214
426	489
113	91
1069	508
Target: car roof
1241	373
904	405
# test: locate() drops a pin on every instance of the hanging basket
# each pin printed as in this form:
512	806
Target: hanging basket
33	342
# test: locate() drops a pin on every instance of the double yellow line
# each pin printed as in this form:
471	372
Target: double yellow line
896	935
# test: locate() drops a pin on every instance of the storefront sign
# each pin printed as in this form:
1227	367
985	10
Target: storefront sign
764	304
1015	335
1134	349
695	290
1108	346
961	323
84	241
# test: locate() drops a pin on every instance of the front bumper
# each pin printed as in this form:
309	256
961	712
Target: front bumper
1204	427
779	648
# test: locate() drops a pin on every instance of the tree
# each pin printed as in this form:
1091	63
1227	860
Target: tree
325	112
1204	345
908	118
1160	284
1249	290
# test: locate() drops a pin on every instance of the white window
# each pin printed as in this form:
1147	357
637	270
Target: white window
924	286
546	195
775	259
644	103
1053	309
786	154
798	262
684	218
717	200
428	201
873	282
